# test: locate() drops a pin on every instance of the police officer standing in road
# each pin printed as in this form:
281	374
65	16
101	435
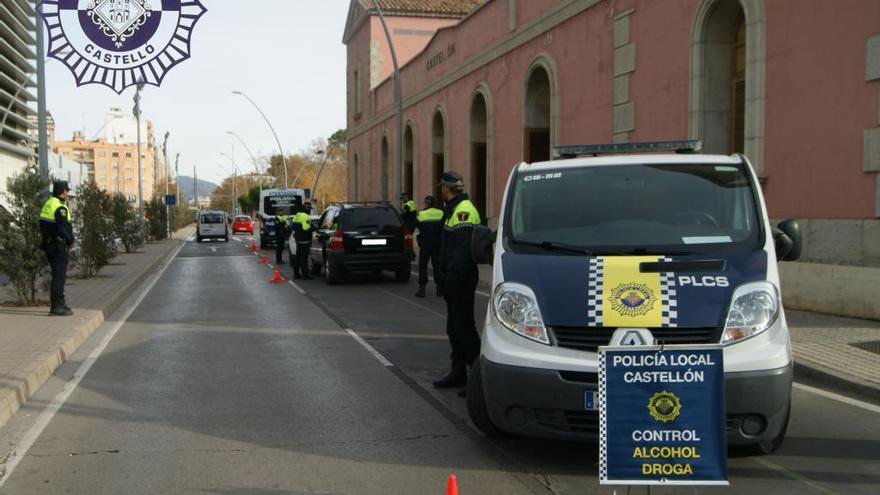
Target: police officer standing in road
281	234
429	225
408	210
458	278
302	236
57	240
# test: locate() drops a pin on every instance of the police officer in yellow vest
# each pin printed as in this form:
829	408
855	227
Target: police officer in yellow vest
57	240
302	235
458	278
429	225
409	211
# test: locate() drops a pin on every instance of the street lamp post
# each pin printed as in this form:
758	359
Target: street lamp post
167	208
321	168
177	177
253	160
277	141
234	178
42	133
398	100
137	114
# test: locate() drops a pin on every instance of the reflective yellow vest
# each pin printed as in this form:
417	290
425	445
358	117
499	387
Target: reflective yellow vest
410	206
50	207
304	219
465	214
431	215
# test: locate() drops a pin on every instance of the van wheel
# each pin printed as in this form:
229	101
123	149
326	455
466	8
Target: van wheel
226	238
770	446
331	274
476	404
403	273
198	238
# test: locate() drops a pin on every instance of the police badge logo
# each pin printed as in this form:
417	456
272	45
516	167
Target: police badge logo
632	299
117	42
664	406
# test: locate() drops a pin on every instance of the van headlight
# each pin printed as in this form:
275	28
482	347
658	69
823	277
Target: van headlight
516	307
754	309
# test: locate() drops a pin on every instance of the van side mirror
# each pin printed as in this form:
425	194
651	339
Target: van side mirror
483	245
787	237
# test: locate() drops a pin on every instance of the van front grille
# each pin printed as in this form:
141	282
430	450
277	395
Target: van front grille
591	338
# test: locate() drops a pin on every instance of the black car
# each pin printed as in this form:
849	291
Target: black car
361	237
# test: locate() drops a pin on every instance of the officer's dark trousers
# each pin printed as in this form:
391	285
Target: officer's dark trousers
426	254
460	325
58	259
279	250
301	266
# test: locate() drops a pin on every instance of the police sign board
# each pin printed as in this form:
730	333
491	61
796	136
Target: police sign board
662	415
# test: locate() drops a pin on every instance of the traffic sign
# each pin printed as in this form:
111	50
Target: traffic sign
170	200
662	415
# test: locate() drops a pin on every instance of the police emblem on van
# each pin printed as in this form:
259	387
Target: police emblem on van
117	42
632	299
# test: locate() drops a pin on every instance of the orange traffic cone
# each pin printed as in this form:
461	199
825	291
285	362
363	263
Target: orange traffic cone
451	486
263	260
253	246
277	277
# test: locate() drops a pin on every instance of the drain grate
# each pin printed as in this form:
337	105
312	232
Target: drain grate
870	346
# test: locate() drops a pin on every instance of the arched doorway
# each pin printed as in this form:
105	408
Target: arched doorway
409	162
385	164
537	126
479	150
727	77
438	152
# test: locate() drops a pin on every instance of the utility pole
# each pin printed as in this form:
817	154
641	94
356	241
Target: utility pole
177	177
137	114
167	208
42	134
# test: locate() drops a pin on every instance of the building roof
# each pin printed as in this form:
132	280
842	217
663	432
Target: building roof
451	8
359	10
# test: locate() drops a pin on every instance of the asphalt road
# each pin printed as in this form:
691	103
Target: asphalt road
219	383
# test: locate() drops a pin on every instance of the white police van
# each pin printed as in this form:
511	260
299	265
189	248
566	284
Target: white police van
588	249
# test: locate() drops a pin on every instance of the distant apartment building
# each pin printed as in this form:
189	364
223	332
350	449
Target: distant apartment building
16	85
111	160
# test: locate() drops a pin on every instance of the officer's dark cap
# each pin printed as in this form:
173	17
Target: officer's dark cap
451	179
60	187
429	200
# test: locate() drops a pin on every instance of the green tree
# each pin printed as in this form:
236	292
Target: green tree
156	218
96	239
21	257
126	223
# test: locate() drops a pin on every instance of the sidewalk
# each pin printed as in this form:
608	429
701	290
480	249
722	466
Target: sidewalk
33	345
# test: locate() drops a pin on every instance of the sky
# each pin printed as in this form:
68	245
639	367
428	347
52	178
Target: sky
287	55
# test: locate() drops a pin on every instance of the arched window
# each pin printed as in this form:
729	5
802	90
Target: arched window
438	150
727	77
537	130
479	150
409	162
385	163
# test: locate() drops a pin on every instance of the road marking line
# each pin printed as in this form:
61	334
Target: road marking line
301	291
413	303
840	398
484	294
793	475
57	402
372	350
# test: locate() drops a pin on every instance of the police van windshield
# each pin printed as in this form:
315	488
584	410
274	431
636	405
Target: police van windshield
636	209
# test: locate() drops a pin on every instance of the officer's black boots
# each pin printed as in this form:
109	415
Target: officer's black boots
61	311
421	291
457	377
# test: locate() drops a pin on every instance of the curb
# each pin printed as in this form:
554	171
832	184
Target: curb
38	373
811	373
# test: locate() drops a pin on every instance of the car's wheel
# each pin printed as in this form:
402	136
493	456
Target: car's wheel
769	446
403	273
226	238
332	274
476	404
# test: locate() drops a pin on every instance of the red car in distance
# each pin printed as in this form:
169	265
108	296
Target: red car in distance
243	223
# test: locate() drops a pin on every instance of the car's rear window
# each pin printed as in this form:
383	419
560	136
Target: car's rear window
380	218
242	219
212	218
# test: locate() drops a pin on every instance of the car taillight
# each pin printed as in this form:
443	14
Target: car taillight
336	240
407	238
